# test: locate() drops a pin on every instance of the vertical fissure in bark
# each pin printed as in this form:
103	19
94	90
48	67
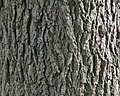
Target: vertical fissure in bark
28	25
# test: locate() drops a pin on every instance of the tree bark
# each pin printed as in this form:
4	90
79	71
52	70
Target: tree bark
59	48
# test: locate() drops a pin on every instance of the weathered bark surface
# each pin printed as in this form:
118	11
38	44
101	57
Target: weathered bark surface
59	48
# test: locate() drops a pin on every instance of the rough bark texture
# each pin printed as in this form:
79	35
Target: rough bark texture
59	48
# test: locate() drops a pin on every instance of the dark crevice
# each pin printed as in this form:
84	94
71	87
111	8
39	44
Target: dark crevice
106	39
28	26
112	37
102	17
113	17
8	71
23	52
22	74
1	4
43	37
118	33
92	80
111	6
14	21
111	50
94	64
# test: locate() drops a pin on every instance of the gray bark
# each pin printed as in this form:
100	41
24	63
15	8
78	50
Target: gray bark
59	48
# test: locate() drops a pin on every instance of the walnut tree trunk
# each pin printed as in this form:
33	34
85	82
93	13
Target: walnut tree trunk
59	48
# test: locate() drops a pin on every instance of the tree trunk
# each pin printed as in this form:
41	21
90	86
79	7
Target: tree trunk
59	48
